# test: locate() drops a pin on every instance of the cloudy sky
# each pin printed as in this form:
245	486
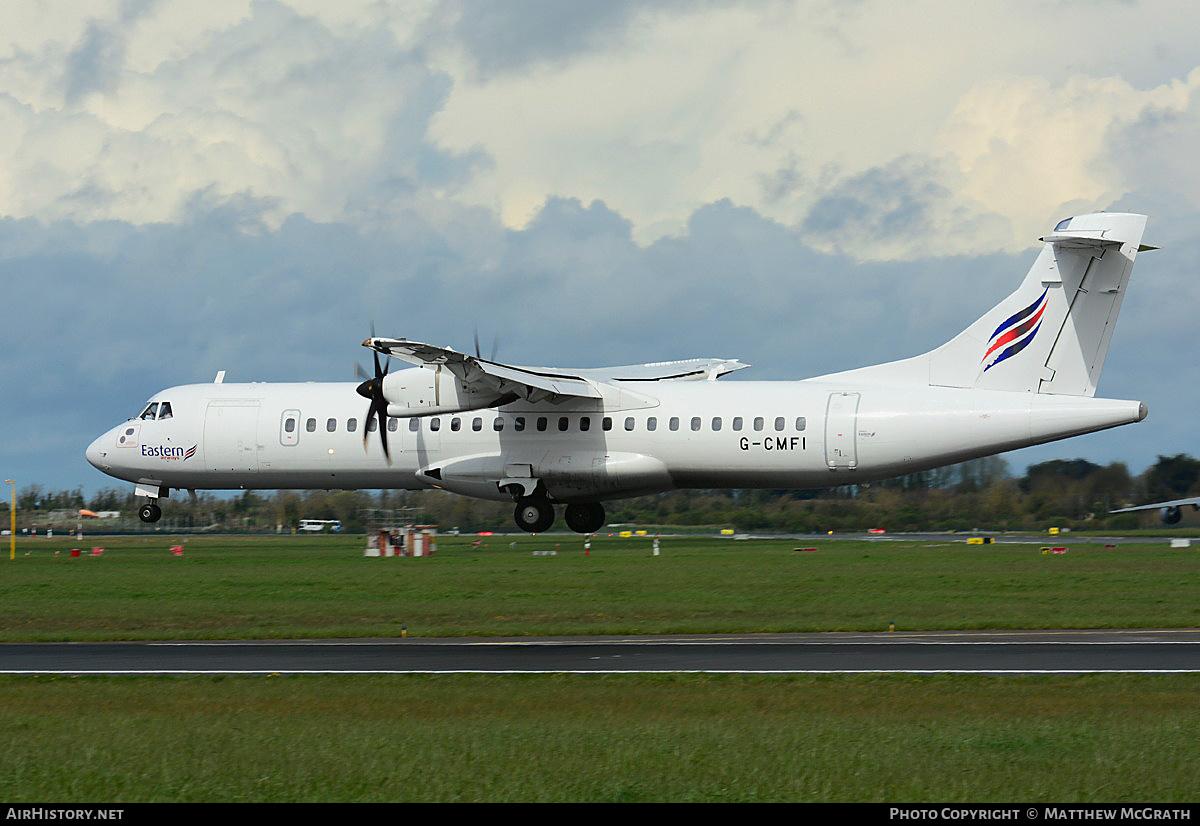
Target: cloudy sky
244	185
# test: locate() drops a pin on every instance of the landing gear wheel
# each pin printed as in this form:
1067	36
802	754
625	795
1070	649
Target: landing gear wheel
149	512
585	517
534	514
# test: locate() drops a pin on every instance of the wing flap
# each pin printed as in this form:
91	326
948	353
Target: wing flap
541	383
482	375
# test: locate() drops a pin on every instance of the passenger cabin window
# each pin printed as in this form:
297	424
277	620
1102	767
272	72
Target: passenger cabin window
541	423
351	425
151	411
779	423
456	424
606	423
652	423
497	424
414	425
164	411
801	423
393	423
585	423
563	423
629	423
477	424
435	424
372	424
519	423
289	426
674	423
695	422
311	425
758	422
331	425
737	423
716	423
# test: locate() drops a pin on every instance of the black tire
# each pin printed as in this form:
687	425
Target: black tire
585	517
534	514
149	512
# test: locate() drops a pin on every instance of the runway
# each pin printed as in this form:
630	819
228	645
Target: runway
1155	651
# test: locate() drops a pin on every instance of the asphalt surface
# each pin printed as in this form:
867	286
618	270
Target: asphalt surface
970	652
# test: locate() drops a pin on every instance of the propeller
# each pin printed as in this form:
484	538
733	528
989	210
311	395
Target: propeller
372	390
495	345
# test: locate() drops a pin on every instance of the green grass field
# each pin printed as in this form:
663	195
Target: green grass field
239	587
605	738
1097	738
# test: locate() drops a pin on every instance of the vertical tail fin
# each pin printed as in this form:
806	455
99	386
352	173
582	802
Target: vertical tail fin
1051	335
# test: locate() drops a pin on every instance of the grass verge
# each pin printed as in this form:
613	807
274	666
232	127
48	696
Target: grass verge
612	738
281	587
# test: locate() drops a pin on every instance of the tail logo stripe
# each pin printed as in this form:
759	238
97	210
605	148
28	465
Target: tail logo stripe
1019	328
1013	319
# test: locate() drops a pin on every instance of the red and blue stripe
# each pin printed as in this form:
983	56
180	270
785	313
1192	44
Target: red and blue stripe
1015	333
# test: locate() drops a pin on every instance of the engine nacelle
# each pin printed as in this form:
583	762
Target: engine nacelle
1171	515
423	391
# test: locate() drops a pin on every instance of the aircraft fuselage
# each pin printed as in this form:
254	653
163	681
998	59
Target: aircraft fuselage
643	437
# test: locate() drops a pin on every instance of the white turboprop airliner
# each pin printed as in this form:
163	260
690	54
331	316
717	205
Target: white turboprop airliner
1170	512
1023	374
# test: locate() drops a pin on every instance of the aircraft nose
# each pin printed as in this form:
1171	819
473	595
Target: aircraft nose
97	455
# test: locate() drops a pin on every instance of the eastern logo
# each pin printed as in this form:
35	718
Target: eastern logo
178	454
1015	333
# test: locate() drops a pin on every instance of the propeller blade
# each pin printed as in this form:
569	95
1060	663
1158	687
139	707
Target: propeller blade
383	433
372	389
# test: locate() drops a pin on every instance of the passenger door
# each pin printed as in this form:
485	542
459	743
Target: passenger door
841	421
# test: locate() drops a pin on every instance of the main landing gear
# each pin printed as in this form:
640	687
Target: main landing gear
150	512
585	517
535	514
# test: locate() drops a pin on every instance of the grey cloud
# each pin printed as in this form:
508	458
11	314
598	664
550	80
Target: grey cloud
95	63
882	202
275	105
898	211
503	37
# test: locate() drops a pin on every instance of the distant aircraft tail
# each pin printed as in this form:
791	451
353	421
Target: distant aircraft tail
1052	334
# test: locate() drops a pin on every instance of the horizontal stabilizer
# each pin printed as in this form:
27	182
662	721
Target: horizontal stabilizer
1078	240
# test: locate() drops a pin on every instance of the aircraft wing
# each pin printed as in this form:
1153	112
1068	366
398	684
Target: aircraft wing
539	383
1174	503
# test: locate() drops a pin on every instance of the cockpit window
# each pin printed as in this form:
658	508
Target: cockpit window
150	411
164	411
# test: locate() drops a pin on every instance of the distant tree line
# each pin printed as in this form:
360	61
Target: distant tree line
980	494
